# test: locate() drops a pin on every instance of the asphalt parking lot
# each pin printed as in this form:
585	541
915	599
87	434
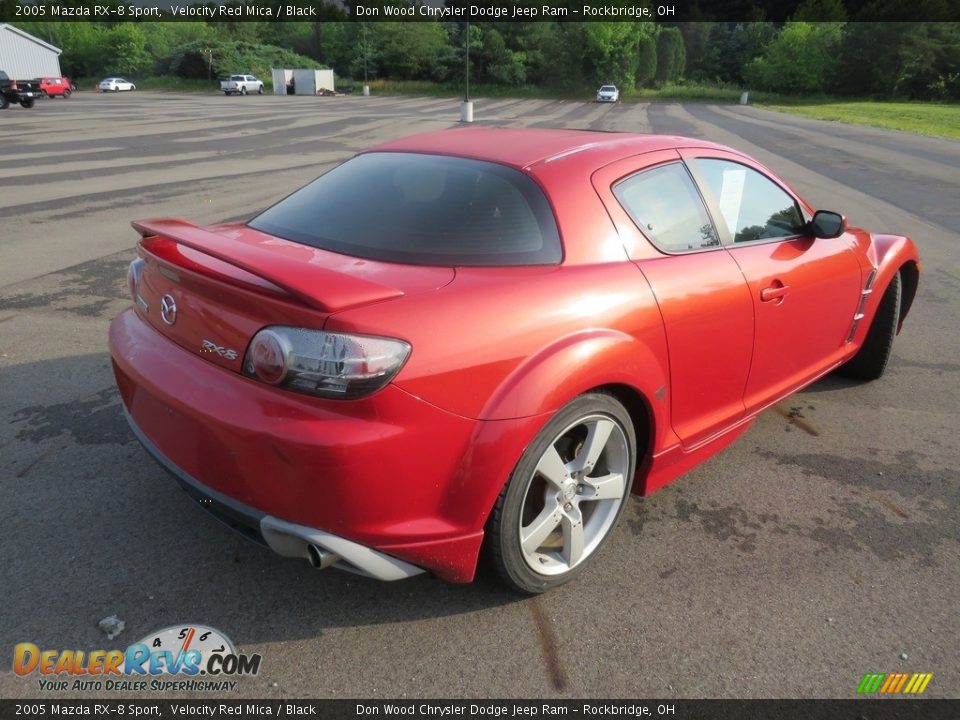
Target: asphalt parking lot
823	545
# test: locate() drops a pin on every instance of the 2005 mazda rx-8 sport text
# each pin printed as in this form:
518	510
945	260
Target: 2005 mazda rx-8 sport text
479	341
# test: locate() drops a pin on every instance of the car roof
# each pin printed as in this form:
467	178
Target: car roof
523	148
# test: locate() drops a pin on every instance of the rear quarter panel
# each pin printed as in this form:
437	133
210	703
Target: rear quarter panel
498	344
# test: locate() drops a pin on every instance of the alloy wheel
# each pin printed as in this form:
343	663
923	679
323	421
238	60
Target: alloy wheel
574	495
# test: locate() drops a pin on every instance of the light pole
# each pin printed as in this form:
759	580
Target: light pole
366	87
466	107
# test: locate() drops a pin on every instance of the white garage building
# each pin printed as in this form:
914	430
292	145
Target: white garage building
24	57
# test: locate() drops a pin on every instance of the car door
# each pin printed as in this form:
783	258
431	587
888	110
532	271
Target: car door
700	290
804	290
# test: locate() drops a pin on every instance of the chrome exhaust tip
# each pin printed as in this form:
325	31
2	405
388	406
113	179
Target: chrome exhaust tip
321	559
322	550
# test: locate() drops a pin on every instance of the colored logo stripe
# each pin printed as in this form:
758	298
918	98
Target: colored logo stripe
894	683
918	683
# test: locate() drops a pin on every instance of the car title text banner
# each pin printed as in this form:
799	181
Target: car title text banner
433	11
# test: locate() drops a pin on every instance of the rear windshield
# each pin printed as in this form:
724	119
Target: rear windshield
423	210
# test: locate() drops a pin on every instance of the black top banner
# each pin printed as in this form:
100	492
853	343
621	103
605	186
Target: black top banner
480	10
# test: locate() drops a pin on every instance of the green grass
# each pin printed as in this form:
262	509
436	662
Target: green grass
688	92
698	92
936	119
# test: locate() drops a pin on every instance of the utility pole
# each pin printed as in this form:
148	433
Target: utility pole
366	86
466	107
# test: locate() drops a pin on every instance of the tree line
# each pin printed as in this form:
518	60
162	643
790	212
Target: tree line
818	50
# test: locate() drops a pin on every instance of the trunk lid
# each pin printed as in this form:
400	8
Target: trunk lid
211	289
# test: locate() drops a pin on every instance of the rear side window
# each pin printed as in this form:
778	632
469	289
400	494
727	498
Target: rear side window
421	209
665	205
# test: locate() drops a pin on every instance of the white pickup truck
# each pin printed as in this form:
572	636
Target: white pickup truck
241	85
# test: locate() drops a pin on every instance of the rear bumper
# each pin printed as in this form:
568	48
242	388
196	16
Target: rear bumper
284	538
383	475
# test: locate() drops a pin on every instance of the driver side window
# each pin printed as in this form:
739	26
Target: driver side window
752	206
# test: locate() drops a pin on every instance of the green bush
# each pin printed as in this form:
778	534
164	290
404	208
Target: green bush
646	61
800	59
671	56
200	60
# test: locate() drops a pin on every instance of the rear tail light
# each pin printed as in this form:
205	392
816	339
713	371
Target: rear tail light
268	356
333	365
13	85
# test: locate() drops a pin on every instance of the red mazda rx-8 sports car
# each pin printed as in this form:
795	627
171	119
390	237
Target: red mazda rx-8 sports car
480	341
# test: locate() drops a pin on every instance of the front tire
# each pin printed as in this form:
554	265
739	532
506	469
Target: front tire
871	359
565	495
67	94
243	90
260	90
4	103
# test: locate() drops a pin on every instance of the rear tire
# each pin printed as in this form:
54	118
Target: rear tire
564	497
871	359
260	90
4	103
27	103
67	94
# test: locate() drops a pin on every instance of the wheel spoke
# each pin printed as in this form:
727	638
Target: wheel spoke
598	433
572	524
533	535
608	487
551	467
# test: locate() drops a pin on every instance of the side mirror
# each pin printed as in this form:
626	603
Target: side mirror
827	224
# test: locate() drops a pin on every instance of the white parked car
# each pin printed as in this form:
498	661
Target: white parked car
608	93
116	84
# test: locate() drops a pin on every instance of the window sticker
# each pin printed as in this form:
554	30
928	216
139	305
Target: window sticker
731	197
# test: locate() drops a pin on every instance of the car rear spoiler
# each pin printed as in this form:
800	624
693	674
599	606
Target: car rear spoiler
314	285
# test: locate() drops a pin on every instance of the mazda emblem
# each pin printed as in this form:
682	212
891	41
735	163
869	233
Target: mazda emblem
168	309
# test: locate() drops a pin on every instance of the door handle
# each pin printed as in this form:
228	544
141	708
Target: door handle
774	292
